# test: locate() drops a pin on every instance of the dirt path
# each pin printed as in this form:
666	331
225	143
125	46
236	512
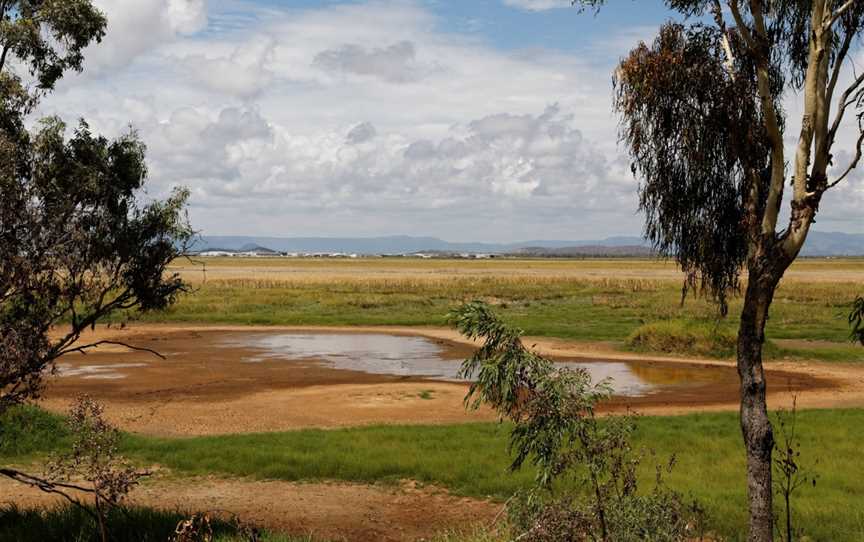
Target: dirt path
203	389
329	511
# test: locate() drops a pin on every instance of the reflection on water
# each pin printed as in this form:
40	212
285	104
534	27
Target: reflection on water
421	357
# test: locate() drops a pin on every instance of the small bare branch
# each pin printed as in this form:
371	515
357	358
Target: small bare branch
5	52
843	103
854	163
839	13
86	347
717	11
54	488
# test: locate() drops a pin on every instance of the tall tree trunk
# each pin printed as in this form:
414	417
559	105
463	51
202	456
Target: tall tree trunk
755	424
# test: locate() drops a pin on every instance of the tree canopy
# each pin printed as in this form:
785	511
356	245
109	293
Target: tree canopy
78	241
702	117
47	38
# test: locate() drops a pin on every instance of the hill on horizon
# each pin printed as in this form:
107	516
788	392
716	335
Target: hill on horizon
818	244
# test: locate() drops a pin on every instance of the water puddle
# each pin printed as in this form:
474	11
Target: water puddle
421	357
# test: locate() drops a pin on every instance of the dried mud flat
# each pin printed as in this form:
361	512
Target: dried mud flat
329	511
203	388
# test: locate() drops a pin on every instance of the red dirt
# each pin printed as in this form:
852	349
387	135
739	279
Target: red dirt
202	388
329	511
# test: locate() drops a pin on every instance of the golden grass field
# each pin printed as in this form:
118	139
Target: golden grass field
262	270
609	300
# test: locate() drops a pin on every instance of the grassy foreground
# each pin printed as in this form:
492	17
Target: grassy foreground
471	460
621	301
134	524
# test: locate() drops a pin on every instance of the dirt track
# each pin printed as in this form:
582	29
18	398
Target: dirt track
202	388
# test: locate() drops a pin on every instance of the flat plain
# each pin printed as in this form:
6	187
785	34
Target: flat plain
224	420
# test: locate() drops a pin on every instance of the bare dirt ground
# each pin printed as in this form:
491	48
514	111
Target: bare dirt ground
203	389
330	511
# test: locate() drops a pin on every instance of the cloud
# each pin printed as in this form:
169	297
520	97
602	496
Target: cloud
242	73
138	26
364	119
395	63
538	5
499	164
361	133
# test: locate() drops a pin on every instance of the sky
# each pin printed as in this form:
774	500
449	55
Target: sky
469	120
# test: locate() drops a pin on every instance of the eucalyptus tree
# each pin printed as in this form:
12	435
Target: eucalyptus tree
76	242
705	115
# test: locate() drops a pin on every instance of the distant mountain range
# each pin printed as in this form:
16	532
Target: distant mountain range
818	244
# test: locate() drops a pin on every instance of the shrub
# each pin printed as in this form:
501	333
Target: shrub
555	428
683	337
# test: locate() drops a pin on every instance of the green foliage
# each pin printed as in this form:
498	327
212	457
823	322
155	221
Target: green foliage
856	320
696	139
659	516
548	405
556	428
47	37
27	430
79	247
77	243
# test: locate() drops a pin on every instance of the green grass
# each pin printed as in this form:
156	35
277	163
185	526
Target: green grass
471	460
28	432
605	308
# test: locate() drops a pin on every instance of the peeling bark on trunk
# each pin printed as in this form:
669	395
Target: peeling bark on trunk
755	424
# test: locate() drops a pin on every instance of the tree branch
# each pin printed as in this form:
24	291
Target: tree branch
772	123
839	13
6	48
842	104
54	488
727	48
814	123
854	163
838	63
86	347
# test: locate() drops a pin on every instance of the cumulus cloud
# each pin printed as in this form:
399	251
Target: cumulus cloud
242	73
137	26
501	161
363	119
396	63
195	148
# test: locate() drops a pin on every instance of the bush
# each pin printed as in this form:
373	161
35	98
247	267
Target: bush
555	428
72	524
683	337
128	524
659	516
